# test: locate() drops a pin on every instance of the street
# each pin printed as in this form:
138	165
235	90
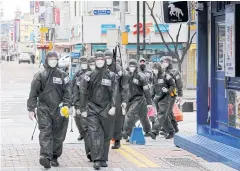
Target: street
20	153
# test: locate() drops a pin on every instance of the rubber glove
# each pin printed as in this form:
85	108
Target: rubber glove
164	89
112	111
31	115
84	114
149	107
64	111
124	105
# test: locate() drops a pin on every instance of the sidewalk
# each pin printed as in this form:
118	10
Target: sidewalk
19	153
189	94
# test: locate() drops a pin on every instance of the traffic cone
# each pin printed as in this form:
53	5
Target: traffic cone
177	113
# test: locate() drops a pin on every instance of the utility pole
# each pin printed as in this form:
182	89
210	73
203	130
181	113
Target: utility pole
122	29
144	24
138	32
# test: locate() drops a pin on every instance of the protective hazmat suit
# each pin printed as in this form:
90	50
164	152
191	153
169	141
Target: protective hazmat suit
49	89
76	93
97	102
118	118
142	67
162	93
138	100
167	64
84	120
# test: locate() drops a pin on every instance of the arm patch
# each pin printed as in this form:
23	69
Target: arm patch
86	77
66	79
177	77
168	77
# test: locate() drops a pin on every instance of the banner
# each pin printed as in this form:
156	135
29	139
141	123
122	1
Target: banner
37	6
57	16
31	7
48	17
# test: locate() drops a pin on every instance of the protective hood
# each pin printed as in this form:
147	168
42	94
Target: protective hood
158	67
50	54
142	66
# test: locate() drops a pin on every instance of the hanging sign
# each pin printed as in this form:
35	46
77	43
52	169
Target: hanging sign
230	42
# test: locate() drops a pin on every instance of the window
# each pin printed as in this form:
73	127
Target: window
220	46
42	3
75	8
116	6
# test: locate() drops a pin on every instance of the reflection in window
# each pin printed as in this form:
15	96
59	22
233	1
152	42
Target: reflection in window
221	46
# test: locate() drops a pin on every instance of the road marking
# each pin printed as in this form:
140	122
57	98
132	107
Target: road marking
140	157
131	158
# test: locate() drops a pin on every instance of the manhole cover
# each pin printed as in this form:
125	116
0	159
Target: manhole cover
181	162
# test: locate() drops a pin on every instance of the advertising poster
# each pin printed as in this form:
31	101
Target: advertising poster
234	109
230	43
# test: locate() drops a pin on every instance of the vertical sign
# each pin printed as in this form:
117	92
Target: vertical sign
48	17
230	42
31	7
37	6
57	16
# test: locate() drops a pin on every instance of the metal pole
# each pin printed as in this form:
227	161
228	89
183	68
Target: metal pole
144	23
138	31
82	13
122	29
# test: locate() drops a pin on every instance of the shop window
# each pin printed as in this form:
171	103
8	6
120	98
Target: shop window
116	6
220	46
221	5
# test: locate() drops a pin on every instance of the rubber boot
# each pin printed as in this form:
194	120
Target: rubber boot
97	165
104	164
116	145
45	162
54	162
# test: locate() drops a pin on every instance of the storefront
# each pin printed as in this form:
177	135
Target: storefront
219	139
131	49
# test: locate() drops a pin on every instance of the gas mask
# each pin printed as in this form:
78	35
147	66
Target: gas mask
165	64
155	71
109	61
100	63
142	66
84	66
92	67
52	63
132	69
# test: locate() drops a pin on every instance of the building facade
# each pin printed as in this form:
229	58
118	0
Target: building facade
217	136
90	21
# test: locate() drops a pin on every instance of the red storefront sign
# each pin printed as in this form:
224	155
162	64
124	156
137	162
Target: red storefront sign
57	16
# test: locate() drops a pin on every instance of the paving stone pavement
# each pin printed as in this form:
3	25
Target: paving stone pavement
20	153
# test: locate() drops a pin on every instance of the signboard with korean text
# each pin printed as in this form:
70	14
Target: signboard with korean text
232	60
101	12
230	42
32	7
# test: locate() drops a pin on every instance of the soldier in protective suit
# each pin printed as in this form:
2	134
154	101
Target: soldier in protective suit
75	94
138	100
142	68
97	102
118	118
162	94
167	66
49	89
